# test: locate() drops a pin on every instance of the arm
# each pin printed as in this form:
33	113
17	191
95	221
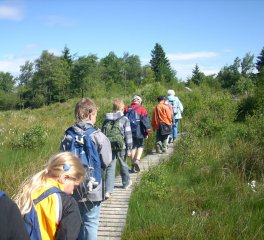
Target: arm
70	223
12	225
104	148
128	135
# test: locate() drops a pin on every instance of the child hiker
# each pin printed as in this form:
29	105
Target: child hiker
89	199
117	128
58	214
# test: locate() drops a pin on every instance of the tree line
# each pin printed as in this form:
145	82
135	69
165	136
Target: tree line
51	78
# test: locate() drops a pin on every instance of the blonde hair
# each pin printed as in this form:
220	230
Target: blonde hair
118	104
85	107
57	165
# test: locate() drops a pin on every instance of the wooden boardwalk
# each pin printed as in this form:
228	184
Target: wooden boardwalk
114	210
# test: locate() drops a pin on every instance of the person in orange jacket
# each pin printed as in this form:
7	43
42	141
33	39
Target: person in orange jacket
161	114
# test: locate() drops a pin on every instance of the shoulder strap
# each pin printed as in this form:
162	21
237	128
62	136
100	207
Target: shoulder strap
89	131
46	194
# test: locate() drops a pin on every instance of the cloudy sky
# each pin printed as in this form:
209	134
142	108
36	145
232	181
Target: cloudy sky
210	33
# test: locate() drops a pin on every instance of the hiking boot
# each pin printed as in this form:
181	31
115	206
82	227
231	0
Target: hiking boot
128	185
136	166
107	195
158	148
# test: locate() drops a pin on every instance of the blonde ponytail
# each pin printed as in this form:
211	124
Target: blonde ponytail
54	169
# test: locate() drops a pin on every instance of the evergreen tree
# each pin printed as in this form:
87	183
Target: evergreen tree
160	65
260	60
197	75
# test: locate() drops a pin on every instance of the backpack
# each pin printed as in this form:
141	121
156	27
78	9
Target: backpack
83	147
113	132
132	116
175	105
2	194
31	218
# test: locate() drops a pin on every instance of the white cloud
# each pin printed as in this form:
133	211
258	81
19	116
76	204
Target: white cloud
184	71
11	12
12	64
191	56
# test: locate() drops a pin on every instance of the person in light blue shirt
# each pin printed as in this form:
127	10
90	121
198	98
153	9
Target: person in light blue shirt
177	111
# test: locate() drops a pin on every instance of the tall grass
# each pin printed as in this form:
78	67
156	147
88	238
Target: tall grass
203	191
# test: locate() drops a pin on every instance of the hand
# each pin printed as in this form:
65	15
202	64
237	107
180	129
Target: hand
146	137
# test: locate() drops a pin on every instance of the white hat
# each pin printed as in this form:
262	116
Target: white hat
171	92
136	97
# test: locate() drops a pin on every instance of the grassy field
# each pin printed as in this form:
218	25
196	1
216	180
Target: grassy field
202	192
195	196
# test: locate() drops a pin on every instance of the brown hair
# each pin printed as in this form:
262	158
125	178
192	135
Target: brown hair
83	108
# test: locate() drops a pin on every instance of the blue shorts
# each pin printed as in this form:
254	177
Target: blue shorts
138	143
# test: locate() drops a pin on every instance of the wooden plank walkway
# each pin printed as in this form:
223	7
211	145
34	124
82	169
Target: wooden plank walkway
114	210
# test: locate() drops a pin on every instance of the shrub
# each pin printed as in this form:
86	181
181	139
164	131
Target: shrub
33	138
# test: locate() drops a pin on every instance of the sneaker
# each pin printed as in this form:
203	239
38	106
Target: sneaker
107	195
136	166
128	185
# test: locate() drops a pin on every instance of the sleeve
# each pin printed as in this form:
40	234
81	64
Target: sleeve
104	148
180	106
70	223
11	223
146	124
128	135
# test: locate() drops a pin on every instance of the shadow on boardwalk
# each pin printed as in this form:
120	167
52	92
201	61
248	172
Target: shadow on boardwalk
114	210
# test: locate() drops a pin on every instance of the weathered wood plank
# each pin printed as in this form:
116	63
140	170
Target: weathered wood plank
114	210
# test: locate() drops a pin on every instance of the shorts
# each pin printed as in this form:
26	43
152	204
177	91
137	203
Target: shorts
138	143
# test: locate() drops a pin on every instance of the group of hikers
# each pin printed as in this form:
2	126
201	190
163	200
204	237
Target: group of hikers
63	200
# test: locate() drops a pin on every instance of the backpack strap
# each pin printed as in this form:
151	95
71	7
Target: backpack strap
46	194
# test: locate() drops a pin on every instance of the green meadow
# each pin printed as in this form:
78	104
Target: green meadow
203	191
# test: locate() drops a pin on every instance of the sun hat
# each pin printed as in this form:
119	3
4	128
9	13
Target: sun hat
171	92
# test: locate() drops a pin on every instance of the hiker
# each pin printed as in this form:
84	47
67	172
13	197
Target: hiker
11	223
140	127
161	123
167	103
116	127
177	110
89	198
58	214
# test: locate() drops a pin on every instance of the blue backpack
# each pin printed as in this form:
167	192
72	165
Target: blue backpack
2	194
83	147
31	218
134	121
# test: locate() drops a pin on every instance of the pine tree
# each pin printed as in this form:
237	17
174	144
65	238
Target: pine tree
260	61
160	65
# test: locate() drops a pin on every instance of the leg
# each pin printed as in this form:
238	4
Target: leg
158	142
175	129
123	167
90	212
110	174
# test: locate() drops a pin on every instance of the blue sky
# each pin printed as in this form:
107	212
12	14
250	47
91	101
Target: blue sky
208	33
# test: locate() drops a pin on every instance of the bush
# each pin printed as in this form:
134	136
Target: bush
32	138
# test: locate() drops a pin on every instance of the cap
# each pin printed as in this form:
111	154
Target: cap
136	97
160	98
